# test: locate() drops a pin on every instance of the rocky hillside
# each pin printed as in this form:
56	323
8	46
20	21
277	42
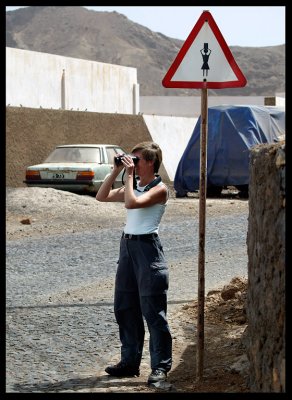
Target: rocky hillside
112	38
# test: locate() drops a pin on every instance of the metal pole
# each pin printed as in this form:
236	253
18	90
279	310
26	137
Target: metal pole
63	91
202	224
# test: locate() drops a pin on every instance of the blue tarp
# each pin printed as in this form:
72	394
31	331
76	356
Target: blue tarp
232	131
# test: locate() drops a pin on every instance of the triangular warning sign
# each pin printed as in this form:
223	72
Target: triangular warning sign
205	60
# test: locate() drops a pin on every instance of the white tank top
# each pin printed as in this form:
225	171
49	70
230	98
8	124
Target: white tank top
144	220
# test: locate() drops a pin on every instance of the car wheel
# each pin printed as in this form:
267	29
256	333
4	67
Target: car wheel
214	191
179	195
243	191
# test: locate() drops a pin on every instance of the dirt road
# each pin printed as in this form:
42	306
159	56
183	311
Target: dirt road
61	259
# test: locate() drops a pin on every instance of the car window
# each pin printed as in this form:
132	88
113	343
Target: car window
74	154
112	152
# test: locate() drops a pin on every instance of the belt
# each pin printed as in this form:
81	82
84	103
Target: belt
139	237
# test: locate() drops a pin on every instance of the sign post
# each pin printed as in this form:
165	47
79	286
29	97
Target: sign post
203	62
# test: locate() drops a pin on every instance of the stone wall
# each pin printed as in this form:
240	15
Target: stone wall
31	134
266	269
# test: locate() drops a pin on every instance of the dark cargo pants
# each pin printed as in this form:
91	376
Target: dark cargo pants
140	291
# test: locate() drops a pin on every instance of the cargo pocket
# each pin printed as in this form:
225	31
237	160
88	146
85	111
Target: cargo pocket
159	278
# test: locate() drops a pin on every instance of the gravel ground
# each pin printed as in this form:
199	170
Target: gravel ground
61	255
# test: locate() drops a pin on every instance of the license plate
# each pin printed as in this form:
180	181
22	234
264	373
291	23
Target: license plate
58	176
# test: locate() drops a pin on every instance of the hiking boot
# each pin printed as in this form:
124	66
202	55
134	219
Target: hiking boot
157	376
122	369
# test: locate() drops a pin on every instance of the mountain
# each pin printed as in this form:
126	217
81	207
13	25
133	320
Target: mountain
110	37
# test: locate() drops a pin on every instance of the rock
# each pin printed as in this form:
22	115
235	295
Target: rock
229	292
26	221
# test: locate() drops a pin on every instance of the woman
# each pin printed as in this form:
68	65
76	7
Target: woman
142	274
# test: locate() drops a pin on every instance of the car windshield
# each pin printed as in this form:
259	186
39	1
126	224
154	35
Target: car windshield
74	154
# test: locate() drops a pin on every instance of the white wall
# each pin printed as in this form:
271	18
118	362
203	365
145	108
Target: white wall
280	101
34	80
190	106
172	134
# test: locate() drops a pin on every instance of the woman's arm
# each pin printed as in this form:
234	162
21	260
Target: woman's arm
106	193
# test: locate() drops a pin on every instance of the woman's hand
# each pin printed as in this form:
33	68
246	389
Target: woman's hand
118	168
129	165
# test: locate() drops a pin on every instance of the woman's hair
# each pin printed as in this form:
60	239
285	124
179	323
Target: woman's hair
150	151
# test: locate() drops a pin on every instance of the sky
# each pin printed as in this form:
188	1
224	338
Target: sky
247	26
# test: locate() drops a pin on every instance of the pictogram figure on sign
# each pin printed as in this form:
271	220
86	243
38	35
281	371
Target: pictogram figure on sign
205	54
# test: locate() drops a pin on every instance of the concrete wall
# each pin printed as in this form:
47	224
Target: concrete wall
31	134
37	80
191	106
266	269
173	135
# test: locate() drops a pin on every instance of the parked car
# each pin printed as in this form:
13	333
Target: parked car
232	132
75	167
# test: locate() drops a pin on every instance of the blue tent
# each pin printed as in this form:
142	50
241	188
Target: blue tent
232	131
